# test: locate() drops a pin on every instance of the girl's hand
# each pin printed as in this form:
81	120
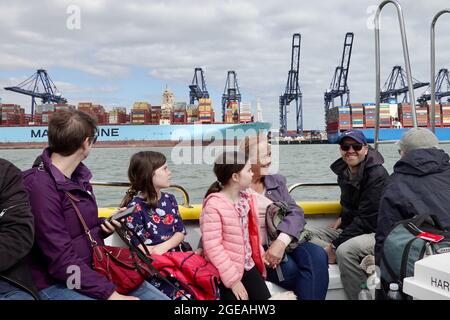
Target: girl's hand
239	291
199	251
158	249
110	226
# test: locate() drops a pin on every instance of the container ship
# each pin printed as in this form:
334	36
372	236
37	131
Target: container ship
168	124
395	119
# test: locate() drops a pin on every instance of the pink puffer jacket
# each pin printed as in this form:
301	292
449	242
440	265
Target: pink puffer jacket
223	241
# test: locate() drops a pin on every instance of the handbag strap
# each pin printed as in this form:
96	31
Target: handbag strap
72	200
144	257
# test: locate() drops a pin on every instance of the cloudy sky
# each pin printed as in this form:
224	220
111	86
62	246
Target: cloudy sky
117	52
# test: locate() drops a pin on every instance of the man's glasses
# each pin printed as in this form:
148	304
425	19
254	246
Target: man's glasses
356	146
94	139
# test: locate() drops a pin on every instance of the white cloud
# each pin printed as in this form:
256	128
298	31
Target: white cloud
168	39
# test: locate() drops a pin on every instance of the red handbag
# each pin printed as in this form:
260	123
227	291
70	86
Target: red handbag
120	265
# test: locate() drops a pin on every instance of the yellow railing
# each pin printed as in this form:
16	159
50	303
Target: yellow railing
192	212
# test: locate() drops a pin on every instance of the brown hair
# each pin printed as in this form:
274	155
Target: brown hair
67	130
140	173
224	167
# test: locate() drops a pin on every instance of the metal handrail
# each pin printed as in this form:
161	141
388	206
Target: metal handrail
186	199
307	185
433	67
377	65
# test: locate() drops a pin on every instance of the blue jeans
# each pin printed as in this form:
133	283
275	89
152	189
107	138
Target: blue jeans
58	292
305	272
10	292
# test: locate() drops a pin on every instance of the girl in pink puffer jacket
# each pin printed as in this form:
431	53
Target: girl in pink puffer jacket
230	230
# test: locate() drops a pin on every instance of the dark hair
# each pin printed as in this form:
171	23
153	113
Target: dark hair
225	165
140	173
67	130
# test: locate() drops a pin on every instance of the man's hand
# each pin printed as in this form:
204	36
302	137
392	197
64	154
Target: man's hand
336	224
274	254
331	254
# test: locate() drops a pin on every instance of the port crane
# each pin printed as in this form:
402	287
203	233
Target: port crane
396	85
292	92
231	92
198	87
338	86
41	86
442	88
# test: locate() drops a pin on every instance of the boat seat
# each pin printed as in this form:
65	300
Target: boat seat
335	288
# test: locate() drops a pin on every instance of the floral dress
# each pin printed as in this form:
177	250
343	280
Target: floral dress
154	226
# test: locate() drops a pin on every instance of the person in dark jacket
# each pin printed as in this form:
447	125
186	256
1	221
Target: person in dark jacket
419	184
16	236
62	255
361	177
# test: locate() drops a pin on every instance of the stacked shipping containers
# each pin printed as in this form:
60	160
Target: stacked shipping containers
357	112
385	115
245	114
140	113
11	114
155	114
117	115
95	110
422	116
205	111
179	113
437	116
405	115
192	113
445	114
339	118
369	114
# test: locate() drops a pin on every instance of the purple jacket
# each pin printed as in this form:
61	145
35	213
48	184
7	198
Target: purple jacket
60	239
276	190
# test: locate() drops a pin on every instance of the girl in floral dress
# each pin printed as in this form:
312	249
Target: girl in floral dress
156	219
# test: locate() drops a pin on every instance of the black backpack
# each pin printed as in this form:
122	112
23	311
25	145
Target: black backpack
407	242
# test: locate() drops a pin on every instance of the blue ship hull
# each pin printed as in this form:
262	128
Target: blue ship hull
390	134
143	133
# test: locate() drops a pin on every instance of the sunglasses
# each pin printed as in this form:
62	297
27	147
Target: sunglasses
355	146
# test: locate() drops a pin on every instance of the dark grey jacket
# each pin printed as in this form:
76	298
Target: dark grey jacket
420	184
360	196
16	229
276	190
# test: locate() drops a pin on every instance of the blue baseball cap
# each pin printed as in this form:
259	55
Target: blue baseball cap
356	135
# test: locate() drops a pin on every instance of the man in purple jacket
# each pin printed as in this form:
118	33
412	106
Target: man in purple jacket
62	256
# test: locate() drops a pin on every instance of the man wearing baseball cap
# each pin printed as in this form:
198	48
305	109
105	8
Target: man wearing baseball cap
360	175
420	184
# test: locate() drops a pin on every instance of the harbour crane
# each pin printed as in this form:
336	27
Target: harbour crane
292	92
442	88
41	86
198	87
231	92
396	85
338	87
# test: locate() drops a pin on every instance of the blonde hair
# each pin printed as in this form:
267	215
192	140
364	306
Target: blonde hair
249	145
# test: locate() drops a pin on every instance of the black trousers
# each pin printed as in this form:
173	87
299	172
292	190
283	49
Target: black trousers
253	283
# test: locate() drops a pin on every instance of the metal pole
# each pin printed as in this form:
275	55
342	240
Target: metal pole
433	68
377	65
